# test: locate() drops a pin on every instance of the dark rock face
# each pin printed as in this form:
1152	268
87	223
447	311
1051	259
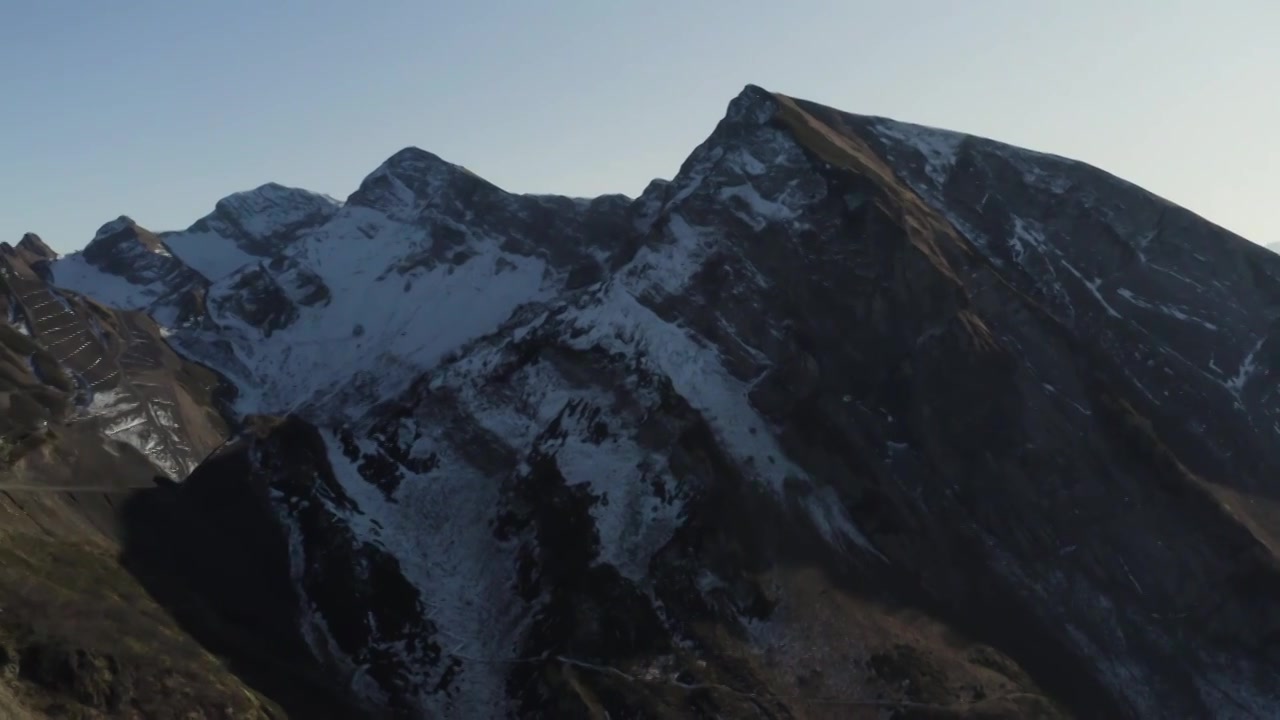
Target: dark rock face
125	249
217	550
357	589
80	638
851	418
35	247
455	207
257	299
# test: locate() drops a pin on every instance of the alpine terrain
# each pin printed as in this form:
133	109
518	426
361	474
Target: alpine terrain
849	419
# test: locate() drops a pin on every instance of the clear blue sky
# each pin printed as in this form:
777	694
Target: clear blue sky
157	108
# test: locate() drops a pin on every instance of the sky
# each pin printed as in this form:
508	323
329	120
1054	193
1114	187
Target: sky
156	109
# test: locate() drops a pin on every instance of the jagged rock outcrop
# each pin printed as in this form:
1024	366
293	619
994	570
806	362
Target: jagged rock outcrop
456	208
32	251
129	267
137	255
256	298
849	418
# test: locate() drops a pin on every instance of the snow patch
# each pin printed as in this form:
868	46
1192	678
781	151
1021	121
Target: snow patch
763	211
1025	234
315	630
1093	286
1248	367
75	273
209	254
938	147
633	523
828	513
672	264
1164	308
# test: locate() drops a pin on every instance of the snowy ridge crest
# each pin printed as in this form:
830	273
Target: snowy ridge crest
120	224
269	210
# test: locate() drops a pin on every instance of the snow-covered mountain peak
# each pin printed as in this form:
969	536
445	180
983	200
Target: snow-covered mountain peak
129	267
412	180
122	236
113	228
248	226
750	165
267	210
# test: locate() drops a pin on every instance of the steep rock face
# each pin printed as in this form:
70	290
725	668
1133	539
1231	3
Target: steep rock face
1120	268
38	256
127	266
421	258
218	552
850	417
256	298
455	206
80	638
35	247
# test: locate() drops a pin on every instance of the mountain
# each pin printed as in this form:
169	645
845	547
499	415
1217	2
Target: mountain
850	418
96	407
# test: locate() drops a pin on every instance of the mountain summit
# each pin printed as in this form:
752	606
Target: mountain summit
31	243
850	418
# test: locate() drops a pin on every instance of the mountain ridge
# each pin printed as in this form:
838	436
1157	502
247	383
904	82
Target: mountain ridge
703	452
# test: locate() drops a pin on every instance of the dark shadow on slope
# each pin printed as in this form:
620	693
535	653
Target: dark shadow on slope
212	553
721	571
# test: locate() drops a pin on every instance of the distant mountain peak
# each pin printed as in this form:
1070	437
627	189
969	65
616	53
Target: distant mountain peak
414	154
32	243
273	196
412	178
120	224
266	212
122	232
414	162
